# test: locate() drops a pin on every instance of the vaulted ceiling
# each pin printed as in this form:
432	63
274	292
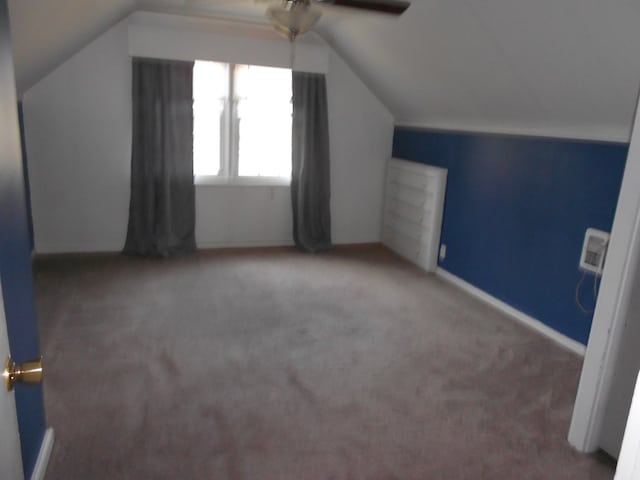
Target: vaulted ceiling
546	67
47	32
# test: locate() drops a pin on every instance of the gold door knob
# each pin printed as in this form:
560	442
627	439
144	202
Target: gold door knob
27	372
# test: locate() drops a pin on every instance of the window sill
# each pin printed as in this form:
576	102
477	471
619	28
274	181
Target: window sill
214	180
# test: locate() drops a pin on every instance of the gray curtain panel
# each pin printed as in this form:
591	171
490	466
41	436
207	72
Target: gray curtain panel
310	173
162	207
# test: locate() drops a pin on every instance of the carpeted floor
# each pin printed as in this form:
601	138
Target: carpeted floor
274	365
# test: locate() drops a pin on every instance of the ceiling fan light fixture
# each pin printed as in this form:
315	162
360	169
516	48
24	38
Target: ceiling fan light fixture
293	17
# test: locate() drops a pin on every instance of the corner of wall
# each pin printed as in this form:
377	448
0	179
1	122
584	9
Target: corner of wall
335	53
361	130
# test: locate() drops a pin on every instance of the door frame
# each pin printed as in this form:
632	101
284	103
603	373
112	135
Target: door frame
612	308
629	463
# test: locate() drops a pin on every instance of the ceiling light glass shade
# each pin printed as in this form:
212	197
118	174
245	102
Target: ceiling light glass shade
293	18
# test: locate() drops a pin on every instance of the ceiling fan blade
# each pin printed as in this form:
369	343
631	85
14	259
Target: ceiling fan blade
395	7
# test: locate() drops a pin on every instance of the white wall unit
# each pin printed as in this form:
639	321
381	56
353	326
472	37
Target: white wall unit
413	211
78	133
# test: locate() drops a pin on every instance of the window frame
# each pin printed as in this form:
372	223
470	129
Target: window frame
229	143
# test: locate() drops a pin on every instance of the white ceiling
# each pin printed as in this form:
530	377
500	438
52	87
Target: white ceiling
547	67
47	32
566	67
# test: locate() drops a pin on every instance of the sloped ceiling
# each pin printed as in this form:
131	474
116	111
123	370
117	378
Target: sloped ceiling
47	32
545	67
550	67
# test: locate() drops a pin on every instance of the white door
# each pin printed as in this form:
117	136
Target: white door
629	463
10	460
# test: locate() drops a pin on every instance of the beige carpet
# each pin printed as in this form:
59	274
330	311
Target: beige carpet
275	365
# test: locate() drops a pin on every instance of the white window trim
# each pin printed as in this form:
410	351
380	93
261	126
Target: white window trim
218	180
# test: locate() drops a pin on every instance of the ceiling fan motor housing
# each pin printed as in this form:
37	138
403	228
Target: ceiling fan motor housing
295	17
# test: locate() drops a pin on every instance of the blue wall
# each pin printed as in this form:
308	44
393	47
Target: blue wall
516	211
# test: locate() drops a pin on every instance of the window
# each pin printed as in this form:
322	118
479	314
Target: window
242	121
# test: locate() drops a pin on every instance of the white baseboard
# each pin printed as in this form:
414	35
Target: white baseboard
278	243
206	244
533	323
245	244
104	248
89	247
42	461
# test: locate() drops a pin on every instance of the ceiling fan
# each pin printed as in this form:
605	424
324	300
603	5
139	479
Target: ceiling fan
295	17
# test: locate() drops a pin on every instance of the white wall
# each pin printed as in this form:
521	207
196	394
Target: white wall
158	35
361	134
78	133
243	216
